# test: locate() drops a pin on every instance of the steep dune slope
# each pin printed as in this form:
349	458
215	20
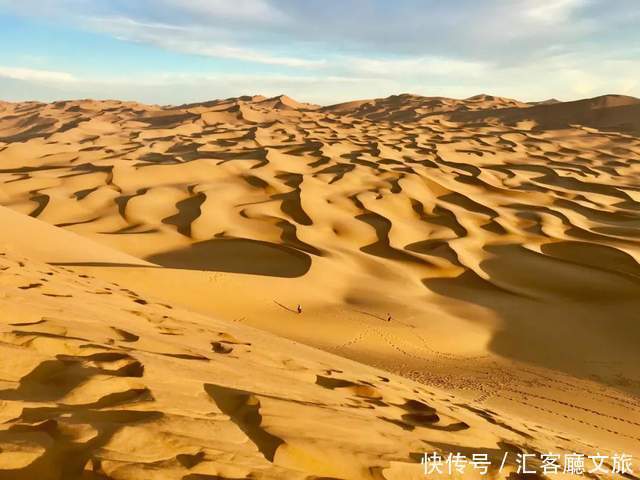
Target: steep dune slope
55	245
484	246
99	382
408	107
609	112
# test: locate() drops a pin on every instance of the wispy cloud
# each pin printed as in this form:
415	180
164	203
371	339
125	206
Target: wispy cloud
323	50
428	66
249	10
194	87
31	74
191	39
553	11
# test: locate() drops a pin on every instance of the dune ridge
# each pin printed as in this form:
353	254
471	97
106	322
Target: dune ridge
86	393
485	247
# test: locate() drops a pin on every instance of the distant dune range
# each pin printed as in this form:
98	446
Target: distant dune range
485	248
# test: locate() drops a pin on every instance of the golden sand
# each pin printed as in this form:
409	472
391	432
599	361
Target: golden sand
467	273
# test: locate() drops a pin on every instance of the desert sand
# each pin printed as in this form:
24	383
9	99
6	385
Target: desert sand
467	273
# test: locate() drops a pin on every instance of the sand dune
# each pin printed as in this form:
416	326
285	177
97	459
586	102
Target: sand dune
485	247
57	246
616	113
101	382
412	107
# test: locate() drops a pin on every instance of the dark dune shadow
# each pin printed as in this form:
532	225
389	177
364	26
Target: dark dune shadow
101	264
25	170
82	194
564	310
237	255
40	129
616	113
42	200
164	120
598	215
244	410
382	247
339	170
598	256
79	222
290	237
123	200
188	212
440	216
438	248
291	201
468	204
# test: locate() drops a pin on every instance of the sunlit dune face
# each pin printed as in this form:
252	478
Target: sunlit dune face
485	247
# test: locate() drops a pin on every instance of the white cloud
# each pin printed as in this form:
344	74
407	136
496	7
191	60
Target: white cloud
566	76
200	47
31	74
552	11
421	66
527	49
252	10
193	39
176	88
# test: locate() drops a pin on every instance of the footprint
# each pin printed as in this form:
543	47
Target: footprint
125	336
362	389
219	347
190	461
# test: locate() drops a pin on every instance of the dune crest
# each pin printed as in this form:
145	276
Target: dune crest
85	393
485	251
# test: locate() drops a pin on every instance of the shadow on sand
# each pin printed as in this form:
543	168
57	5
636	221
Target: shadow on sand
237	255
557	308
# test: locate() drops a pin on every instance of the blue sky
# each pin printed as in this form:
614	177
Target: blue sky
323	51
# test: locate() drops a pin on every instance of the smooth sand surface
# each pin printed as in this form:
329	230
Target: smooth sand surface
54	245
482	252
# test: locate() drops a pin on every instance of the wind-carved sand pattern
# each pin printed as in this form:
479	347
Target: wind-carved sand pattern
93	388
483	247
